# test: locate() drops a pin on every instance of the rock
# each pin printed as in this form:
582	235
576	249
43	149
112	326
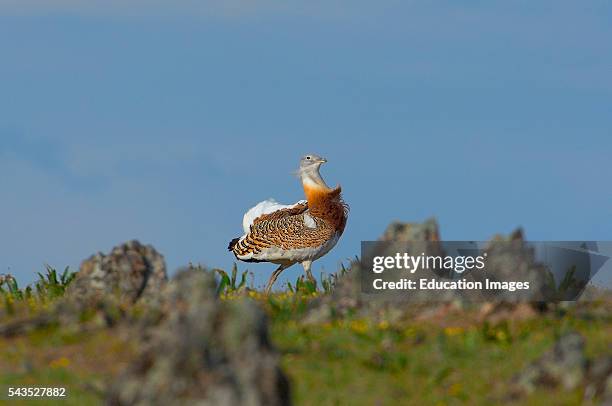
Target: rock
562	366
566	366
130	272
204	351
348	297
416	239
599	379
606	398
426	231
510	259
103	291
413	238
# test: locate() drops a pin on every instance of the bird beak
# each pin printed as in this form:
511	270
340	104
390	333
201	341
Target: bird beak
323	160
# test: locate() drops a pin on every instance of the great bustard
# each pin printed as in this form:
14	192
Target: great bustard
302	232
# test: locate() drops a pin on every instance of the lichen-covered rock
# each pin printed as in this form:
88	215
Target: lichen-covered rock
599	380
103	292
348	297
606	397
399	231
566	366
511	259
562	366
413	238
130	272
204	351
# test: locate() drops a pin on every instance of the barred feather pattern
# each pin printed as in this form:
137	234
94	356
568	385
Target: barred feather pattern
287	229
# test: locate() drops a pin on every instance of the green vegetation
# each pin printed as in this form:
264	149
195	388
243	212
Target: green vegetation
48	287
228	284
455	359
358	362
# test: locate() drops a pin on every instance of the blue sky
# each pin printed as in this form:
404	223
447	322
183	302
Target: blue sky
161	122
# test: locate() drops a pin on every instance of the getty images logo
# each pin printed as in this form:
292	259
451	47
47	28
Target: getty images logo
404	261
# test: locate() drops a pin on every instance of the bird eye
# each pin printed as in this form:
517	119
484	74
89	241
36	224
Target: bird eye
308	157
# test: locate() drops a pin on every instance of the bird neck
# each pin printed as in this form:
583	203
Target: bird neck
315	187
312	180
323	201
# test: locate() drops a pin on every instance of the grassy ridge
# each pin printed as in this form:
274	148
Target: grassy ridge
456	359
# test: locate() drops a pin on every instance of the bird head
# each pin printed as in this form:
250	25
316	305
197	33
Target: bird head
311	161
309	170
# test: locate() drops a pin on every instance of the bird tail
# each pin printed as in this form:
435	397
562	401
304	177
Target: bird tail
232	247
232	243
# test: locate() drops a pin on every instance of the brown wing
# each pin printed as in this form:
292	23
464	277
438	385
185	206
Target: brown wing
284	229
279	214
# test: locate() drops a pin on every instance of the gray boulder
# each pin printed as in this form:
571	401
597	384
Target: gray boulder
130	272
566	366
562	366
103	291
205	351
399	231
511	259
599	380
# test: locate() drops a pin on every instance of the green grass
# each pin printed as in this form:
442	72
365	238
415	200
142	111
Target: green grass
355	361
47	288
79	361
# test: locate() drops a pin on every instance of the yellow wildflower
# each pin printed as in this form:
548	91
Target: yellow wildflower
453	331
359	326
383	325
454	389
61	362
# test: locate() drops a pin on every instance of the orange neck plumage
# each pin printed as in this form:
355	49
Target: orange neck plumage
326	204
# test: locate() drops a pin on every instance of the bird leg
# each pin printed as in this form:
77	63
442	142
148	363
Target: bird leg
307	265
273	278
